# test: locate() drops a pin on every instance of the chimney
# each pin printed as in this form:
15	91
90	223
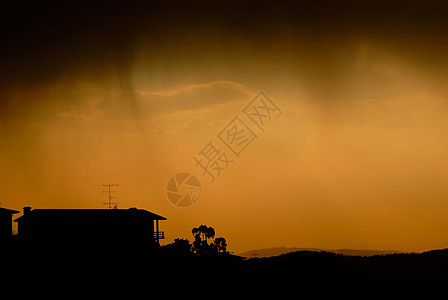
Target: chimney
26	210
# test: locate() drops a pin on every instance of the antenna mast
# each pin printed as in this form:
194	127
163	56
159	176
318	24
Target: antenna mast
109	192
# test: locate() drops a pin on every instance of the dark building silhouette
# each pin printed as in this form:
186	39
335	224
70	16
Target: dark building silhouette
90	225
6	222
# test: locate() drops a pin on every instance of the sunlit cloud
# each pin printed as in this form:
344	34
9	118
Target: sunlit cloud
150	104
192	97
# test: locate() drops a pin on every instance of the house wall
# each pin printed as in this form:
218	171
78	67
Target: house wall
136	229
5	226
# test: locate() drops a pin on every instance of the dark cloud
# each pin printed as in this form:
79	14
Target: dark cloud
50	41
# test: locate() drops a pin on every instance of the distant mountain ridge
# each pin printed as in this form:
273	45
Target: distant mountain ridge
269	252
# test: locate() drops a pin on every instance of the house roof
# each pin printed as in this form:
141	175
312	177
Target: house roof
8	211
131	212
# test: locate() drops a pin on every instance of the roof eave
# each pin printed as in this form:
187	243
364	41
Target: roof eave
11	211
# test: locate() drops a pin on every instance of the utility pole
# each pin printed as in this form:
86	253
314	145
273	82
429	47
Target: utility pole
109	192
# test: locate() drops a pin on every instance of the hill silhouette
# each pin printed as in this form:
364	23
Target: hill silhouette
206	262
97	264
327	266
268	252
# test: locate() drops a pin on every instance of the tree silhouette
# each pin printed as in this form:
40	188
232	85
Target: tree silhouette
201	236
220	245
203	233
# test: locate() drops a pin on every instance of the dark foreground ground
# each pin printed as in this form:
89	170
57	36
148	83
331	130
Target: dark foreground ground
141	267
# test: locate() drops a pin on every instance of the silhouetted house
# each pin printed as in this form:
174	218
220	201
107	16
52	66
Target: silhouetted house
6	222
90	225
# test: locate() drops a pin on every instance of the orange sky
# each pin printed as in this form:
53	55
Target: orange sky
357	158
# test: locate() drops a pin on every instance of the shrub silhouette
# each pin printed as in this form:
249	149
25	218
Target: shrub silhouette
178	247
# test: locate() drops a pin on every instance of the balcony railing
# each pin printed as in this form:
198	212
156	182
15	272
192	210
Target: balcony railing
159	235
